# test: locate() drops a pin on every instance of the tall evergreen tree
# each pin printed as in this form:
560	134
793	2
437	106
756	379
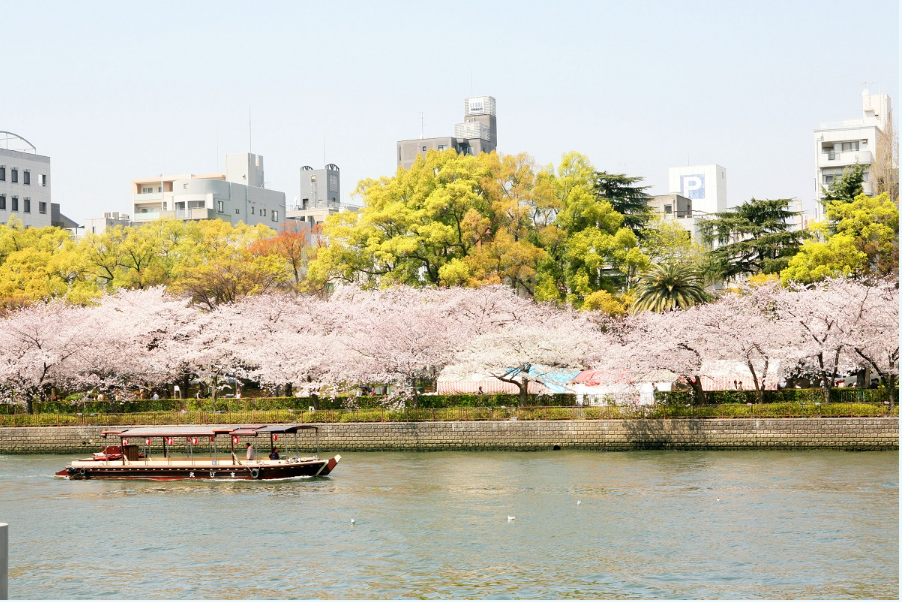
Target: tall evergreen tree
752	238
628	199
846	187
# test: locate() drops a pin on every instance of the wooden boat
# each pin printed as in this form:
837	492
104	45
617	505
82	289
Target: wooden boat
135	456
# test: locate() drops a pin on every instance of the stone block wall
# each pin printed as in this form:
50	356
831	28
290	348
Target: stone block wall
764	433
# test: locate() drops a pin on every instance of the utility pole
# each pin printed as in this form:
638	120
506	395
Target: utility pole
4	561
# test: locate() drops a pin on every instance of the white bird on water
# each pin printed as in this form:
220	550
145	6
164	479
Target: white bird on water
578	502
510	519
352	521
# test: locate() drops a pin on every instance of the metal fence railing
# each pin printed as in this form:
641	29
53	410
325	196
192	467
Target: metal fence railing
669	412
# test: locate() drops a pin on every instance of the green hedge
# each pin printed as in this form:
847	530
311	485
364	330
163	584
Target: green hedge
471	413
287	403
838	395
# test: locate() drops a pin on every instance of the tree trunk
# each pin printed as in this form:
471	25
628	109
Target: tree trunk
524	392
288	389
696	383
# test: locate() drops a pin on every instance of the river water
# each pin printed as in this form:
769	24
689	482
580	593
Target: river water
645	524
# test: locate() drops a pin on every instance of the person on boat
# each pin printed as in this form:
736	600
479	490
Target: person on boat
275	454
250	451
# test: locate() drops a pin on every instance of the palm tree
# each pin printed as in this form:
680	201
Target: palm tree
668	286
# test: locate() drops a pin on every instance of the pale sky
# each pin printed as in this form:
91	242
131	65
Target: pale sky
113	91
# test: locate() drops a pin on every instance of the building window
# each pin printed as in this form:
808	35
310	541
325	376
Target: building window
668	208
42	179
237	212
252	210
3	202
147	190
849	146
424	149
26	178
441	147
42	207
263	213
275	216
14	176
15	203
3	173
27	205
220	206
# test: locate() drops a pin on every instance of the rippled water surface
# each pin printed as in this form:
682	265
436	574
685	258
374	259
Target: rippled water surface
435	525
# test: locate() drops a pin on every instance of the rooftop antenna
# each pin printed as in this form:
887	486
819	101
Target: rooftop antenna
422	126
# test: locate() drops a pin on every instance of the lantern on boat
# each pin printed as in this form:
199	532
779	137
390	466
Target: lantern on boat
235	439
275	437
125	442
194	441
147	442
169	440
213	438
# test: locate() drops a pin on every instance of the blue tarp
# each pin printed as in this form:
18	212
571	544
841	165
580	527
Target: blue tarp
555	379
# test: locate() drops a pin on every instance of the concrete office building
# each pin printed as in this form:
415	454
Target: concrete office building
235	196
477	134
24	182
839	145
704	185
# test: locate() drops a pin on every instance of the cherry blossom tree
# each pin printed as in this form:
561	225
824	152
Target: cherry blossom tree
648	341
37	343
531	349
132	342
738	327
829	319
876	332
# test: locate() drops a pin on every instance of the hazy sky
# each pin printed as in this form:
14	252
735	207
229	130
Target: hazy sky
118	90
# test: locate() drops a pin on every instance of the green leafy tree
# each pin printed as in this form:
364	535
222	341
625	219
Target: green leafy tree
596	252
861	237
628	199
668	286
753	238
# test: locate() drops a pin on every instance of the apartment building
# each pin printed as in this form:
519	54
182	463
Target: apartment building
839	145
236	195
477	134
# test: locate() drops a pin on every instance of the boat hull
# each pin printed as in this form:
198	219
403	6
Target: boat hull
85	471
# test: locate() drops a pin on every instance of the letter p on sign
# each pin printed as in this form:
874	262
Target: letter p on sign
693	187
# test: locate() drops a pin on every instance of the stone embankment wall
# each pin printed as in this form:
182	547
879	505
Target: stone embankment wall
771	433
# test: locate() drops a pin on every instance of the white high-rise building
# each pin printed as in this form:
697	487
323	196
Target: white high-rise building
704	185
839	145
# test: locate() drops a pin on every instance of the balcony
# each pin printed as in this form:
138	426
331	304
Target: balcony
195	213
836	159
150	196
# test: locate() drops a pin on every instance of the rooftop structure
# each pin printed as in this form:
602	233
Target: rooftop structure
477	134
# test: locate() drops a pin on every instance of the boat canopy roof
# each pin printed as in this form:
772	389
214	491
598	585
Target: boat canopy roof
208	431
